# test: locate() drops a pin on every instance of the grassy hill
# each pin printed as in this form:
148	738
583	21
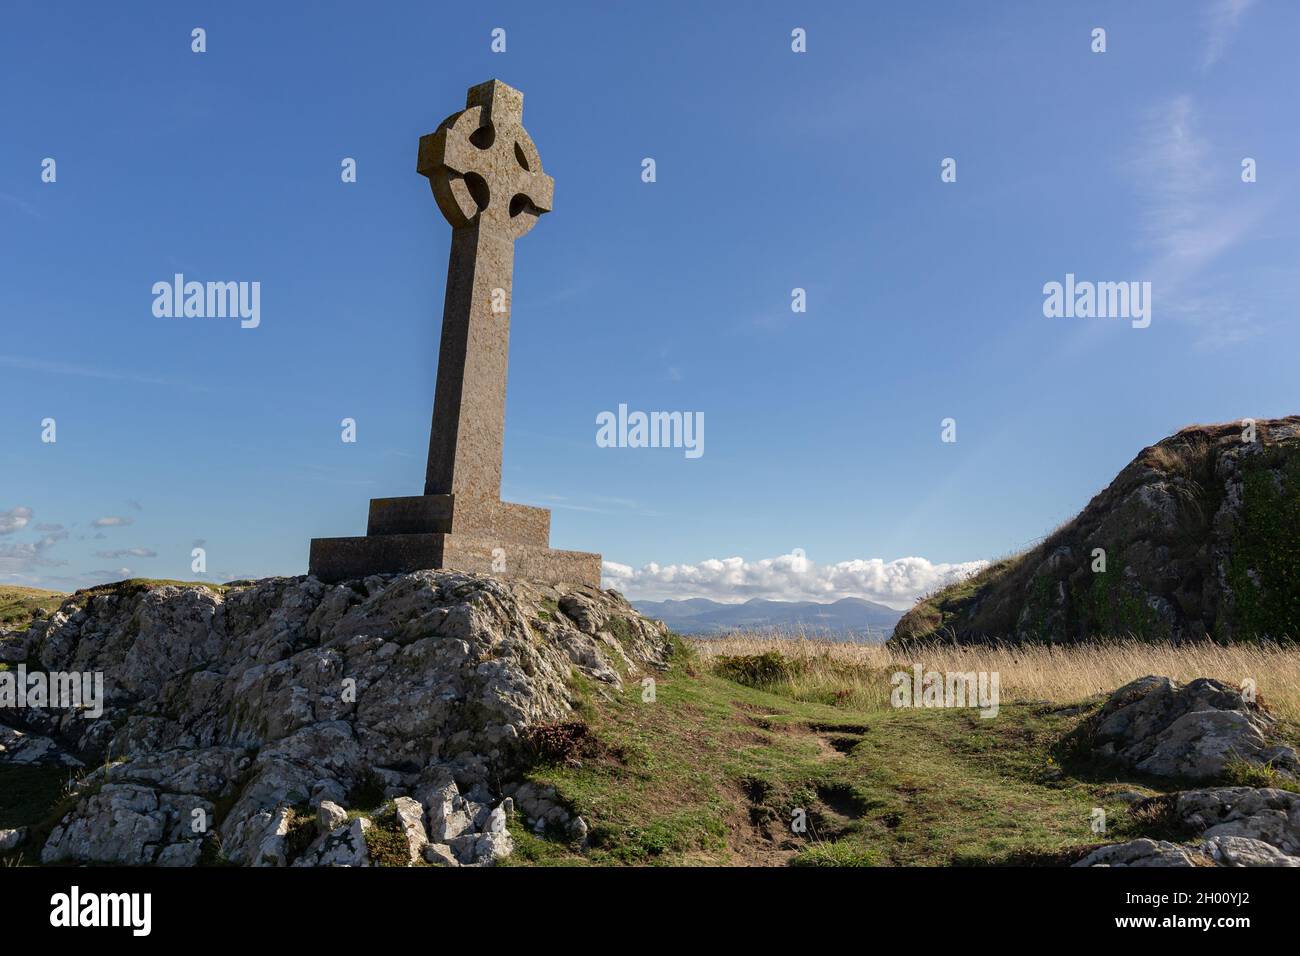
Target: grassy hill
18	604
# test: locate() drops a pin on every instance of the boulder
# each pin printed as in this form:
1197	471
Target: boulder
19	747
186	853
329	817
1236	826
1240	851
410	817
1268	815
482	849
442	803
120	823
11	840
345	846
1157	726
1144	852
439	854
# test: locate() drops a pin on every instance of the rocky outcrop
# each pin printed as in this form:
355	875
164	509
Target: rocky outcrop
17	747
1236	826
1196	731
1199	535
255	724
1217	851
1267	815
1145	852
1157	726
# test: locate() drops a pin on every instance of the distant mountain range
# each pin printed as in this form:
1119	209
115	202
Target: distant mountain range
851	618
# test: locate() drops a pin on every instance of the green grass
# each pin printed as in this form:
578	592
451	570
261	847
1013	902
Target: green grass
386	839
715	772
835	854
136	585
17	605
28	794
36	797
1242	774
934	615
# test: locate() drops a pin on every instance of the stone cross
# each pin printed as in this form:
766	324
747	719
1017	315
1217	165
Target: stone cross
488	181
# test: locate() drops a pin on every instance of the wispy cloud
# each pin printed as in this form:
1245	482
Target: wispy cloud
598	504
108	574
20	561
21	204
84	371
121	553
112	521
1222	18
788	577
15	519
1188	218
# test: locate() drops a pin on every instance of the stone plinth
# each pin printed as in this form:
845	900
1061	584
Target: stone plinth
341	559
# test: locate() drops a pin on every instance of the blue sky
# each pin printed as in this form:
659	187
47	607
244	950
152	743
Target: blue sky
775	170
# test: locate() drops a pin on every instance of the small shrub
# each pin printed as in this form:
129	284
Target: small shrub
367	794
758	670
835	855
566	743
211	852
386	839
301	832
1156	818
1242	773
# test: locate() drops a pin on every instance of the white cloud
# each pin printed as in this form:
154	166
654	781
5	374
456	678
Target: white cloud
21	560
106	575
126	553
15	519
112	521
1222	18
788	577
1192	213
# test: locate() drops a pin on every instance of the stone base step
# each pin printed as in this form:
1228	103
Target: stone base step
489	519
342	559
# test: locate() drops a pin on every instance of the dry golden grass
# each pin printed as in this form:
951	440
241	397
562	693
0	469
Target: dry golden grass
857	675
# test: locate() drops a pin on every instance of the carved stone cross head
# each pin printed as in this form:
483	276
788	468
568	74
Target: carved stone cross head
483	166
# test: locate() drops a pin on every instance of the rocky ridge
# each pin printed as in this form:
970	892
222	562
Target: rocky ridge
262	725
1199	535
